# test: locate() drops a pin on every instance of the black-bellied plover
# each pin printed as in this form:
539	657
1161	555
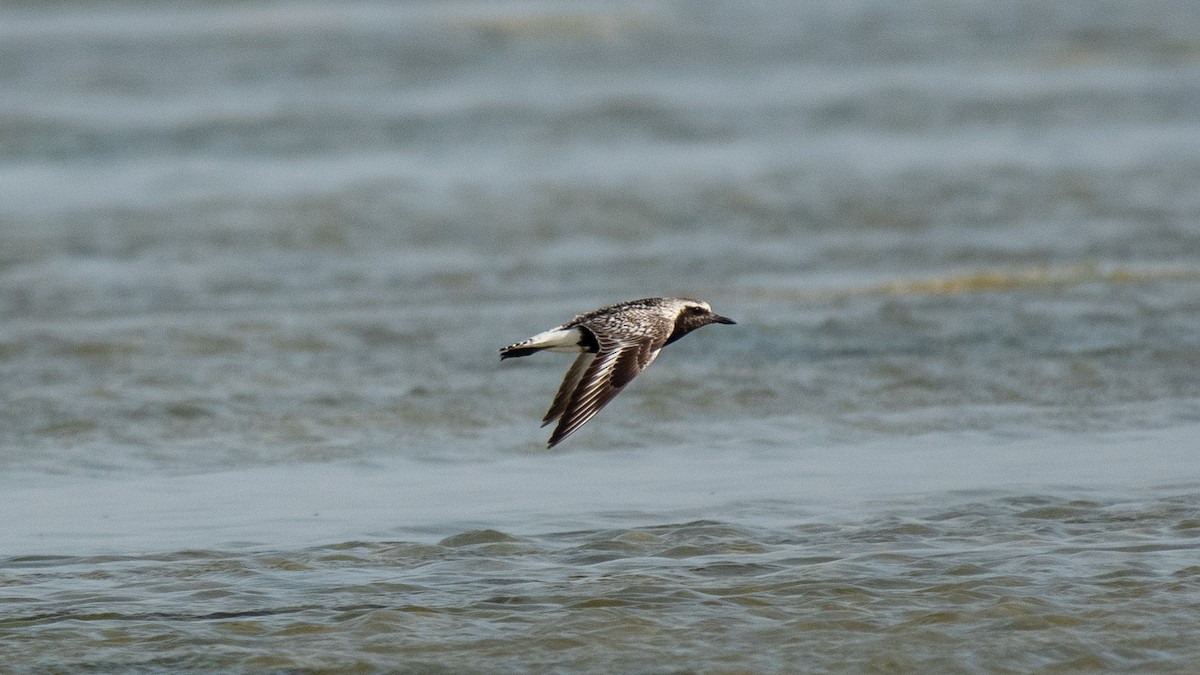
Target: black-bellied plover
617	342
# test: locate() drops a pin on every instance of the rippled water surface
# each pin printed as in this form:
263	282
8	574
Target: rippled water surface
939	585
256	260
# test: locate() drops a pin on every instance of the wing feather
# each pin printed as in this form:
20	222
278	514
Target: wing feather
612	368
569	383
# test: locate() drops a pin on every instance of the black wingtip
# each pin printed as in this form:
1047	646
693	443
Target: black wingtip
557	437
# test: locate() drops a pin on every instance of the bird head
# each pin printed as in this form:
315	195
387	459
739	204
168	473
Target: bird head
693	314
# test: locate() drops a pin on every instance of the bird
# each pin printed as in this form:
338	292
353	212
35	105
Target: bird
614	344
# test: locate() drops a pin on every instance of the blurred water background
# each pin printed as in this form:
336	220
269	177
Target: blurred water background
256	259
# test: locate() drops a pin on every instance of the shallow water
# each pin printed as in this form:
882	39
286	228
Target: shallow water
942	584
256	260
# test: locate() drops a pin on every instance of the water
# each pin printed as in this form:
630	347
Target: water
256	260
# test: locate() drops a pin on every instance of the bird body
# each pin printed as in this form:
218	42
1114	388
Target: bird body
614	344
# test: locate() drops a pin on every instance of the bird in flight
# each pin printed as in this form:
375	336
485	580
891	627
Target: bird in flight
614	344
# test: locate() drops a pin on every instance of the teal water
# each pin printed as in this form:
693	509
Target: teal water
257	259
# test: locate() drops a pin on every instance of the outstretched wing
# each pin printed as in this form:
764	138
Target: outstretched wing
569	383
609	370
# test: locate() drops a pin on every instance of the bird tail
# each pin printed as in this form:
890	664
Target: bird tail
517	350
558	340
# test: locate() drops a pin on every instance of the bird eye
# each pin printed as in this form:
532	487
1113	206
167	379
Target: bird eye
696	310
